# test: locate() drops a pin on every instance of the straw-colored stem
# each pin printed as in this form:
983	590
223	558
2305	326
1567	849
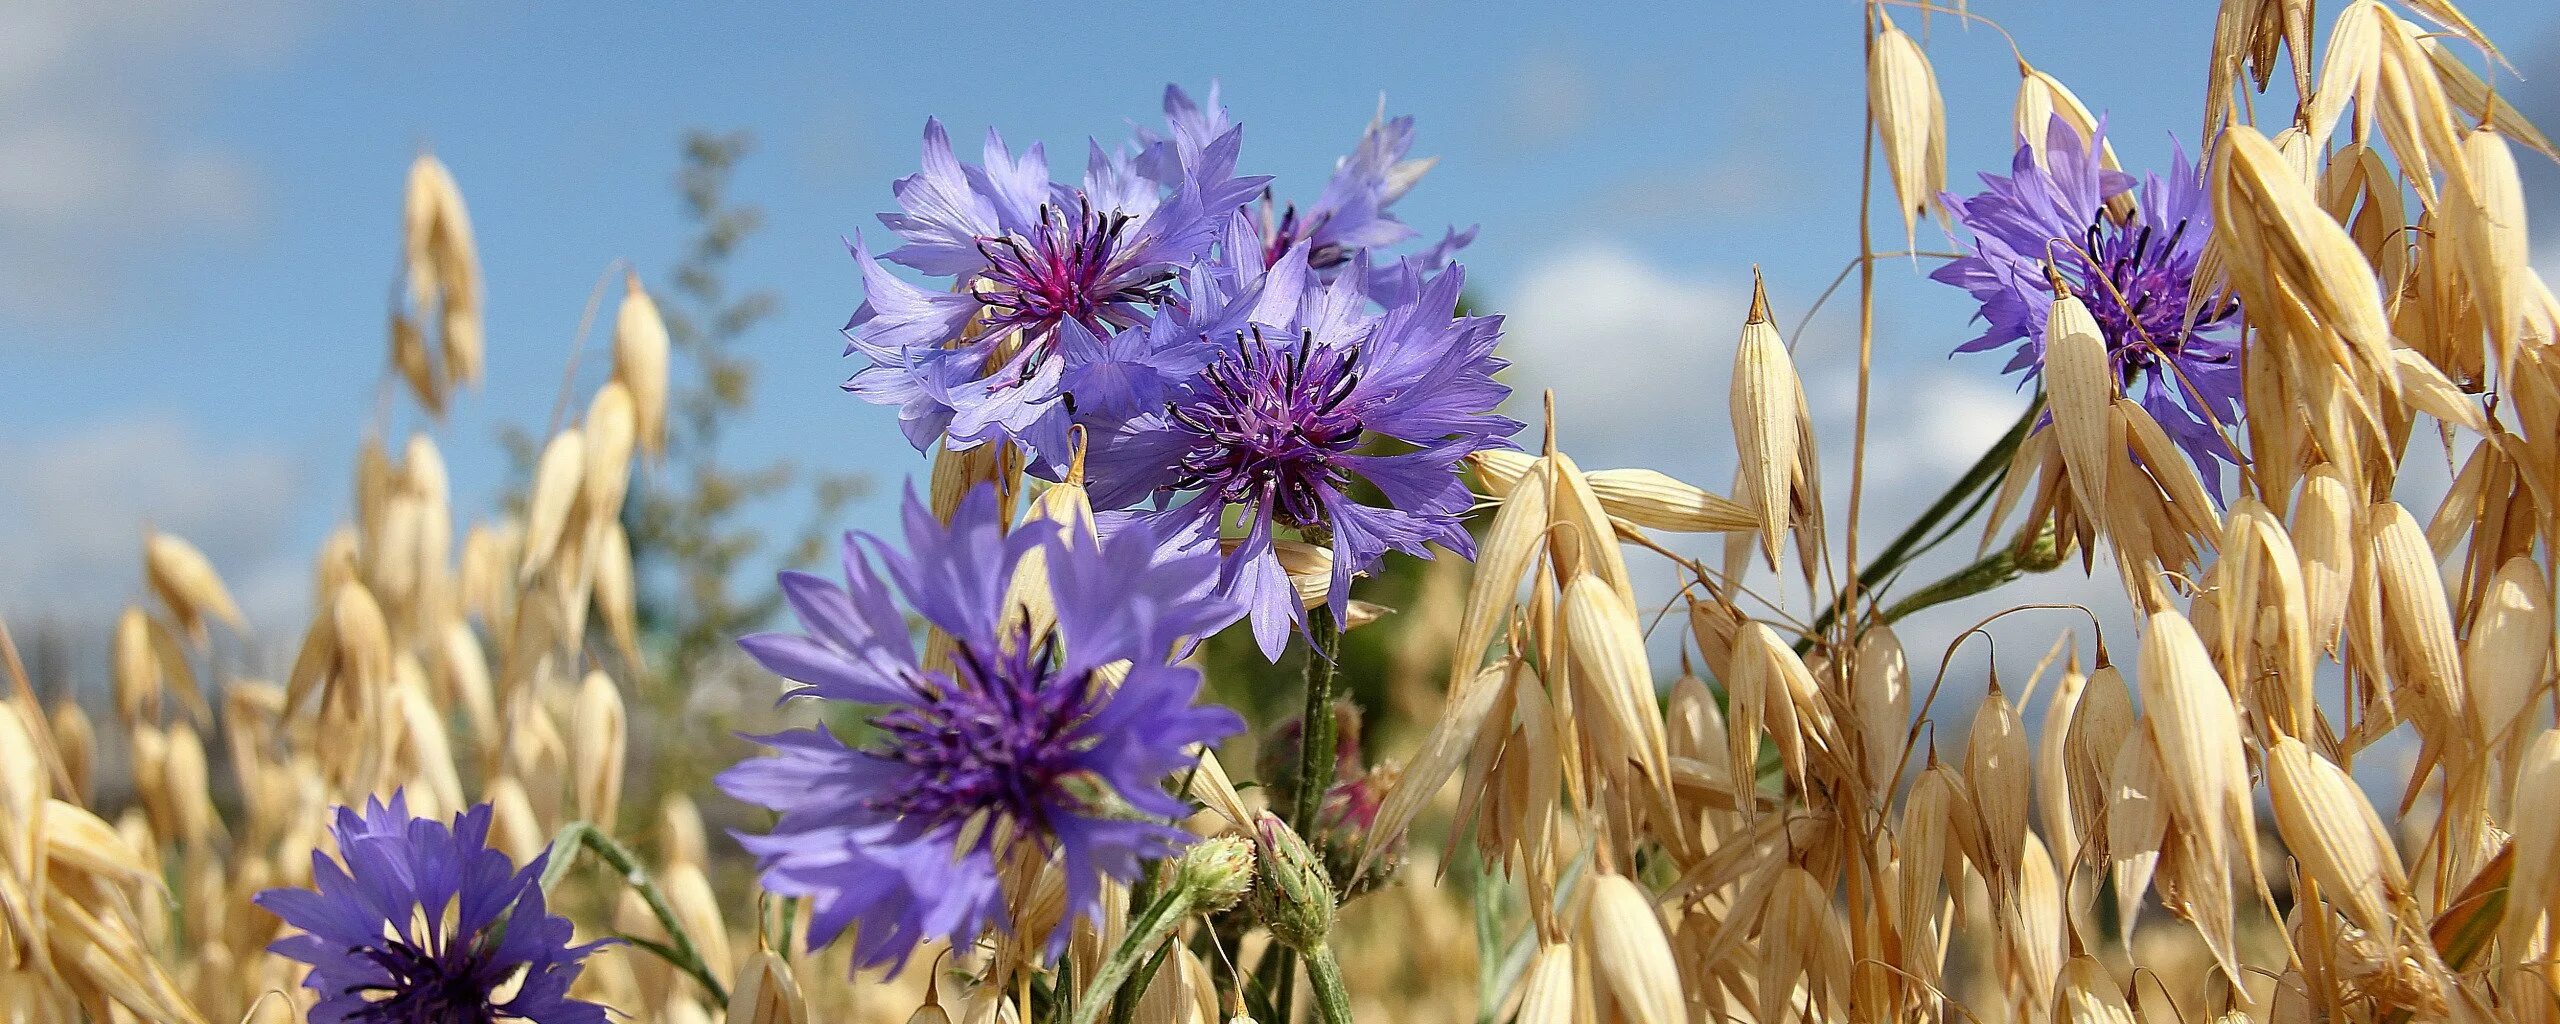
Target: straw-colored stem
1866	306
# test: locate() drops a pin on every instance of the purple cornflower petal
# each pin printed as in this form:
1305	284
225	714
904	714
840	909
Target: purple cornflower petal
1352	215
1281	420
1019	750
420	922
978	359
2138	276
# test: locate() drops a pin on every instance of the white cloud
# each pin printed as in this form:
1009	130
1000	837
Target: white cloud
73	508
92	168
1639	356
1633	351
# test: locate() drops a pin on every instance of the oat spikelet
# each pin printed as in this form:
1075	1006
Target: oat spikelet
1630	953
2335	836
2041	98
2080	383
606	466
1910	119
2487	227
2534	885
1767	407
640	355
767	993
557	480
2474	98
185	581
2206	774
599	747
2509	648
1547	988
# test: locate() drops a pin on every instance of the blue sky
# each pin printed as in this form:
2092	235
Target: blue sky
202	203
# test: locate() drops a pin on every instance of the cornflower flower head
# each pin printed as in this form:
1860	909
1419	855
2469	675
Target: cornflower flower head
1353	214
2174	337
420	922
1022	752
980	360
1295	391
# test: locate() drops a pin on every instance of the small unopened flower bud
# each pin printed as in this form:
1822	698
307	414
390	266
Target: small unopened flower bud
1216	872
1293	898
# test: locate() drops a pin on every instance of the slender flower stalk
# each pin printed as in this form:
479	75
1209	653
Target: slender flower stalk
680	950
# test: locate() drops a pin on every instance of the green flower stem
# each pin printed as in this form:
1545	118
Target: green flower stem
1908	544
1316	738
1124	1005
1333	1001
1316	729
679	950
1148	930
1987	573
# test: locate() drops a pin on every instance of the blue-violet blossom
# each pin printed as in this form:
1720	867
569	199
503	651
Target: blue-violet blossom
1351	216
420	922
1274	411
2175	339
1021	749
980	360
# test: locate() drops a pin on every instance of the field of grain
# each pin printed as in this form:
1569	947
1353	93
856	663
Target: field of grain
1177	447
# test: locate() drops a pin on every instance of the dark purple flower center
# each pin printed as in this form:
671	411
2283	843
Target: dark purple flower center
1069	268
1272	426
1283	229
450	987
1002	734
2138	283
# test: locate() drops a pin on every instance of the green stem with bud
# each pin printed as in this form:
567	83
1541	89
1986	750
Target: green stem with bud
1990	572
1984	472
1333	999
1124	1006
679	950
1316	739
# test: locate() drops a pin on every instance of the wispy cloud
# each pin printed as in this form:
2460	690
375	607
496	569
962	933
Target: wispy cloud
94	166
73	508
1628	346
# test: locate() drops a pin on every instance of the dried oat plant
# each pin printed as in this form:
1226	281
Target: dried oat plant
1160	403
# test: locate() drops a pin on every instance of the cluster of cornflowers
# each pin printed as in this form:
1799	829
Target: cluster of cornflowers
1234	375
1247	374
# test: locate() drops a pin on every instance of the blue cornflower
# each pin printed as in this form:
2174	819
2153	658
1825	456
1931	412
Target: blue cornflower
978	360
1022	752
420	922
1290	391
2175	338
1351	216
